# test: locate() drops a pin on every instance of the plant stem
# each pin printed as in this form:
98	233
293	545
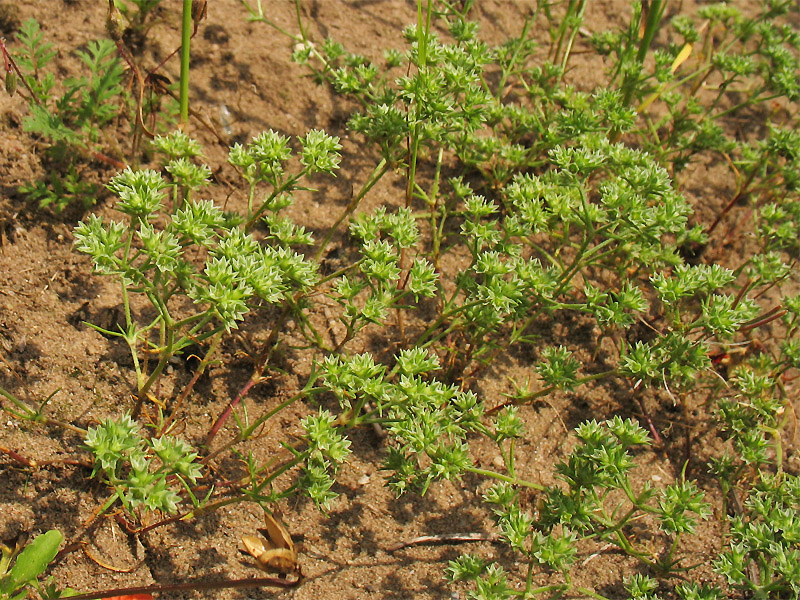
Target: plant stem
186	40
378	172
506	478
254	379
258	370
190	386
423	33
508	69
193	585
578	17
526	399
590	593
35	415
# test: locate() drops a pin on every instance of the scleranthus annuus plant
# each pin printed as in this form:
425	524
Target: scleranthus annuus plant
567	219
263	161
530	206
195	299
143	472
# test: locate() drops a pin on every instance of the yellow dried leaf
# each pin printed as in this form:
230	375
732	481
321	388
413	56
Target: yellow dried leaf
275	553
683	55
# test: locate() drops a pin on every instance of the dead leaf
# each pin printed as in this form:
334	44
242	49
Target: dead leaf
276	552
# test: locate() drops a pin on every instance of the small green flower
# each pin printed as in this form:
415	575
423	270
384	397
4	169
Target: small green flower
559	368
320	152
140	192
177	144
112	441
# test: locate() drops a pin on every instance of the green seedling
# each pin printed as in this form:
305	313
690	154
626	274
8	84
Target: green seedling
71	122
139	14
22	566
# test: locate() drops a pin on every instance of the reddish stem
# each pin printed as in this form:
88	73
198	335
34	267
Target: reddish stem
193	586
650	425
10	64
775	313
231	405
31	464
743	190
261	364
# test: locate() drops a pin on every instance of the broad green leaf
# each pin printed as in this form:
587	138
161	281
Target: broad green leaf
33	560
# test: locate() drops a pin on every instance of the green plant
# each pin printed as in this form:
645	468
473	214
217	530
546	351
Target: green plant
530	204
597	504
232	270
141	470
186	37
264	160
726	67
71	122
21	567
568	219
762	557
77	116
138	13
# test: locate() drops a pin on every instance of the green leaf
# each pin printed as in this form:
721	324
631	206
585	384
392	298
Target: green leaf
33	560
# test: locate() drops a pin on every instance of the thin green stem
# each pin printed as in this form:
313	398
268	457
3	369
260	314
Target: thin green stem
433	201
590	593
296	460
527	398
578	17
248	431
506	478
555	587
203	317
512	61
186	39
209	356
753	99
423	33
28	413
379	171
446	313
253	216
35	414
164	356
562	30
